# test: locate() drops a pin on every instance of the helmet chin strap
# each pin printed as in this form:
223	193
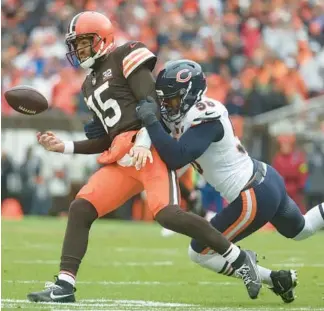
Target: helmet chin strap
200	94
90	61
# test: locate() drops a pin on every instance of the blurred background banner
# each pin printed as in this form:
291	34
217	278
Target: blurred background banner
263	59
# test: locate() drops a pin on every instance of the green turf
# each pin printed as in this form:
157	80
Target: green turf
138	264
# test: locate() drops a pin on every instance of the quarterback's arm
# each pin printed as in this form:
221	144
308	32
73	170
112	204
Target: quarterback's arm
91	146
98	140
142	84
192	144
51	142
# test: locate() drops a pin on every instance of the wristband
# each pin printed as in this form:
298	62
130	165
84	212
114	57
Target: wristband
68	147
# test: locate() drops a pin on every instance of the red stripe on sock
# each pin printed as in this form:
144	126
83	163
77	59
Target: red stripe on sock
68	273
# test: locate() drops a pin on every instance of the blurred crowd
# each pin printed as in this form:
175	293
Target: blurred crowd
36	188
40	184
258	54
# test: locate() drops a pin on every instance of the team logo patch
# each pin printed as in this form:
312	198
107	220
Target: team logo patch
132	44
107	75
183	75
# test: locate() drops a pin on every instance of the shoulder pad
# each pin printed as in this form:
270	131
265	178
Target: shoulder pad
205	111
135	54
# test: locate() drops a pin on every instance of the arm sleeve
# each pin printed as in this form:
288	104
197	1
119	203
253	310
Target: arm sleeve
192	144
92	146
142	83
136	55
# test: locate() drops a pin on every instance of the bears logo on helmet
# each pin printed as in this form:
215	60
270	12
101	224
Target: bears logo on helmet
179	86
185	78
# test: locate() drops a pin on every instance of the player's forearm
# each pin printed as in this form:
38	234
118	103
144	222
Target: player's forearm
142	84
174	153
191	145
89	146
171	152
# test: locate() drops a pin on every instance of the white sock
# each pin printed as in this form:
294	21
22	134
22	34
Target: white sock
67	278
265	275
217	263
314	221
214	262
232	253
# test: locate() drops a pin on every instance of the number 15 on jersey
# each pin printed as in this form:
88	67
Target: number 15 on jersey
107	110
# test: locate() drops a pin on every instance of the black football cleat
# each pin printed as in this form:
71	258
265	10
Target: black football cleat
284	283
60	291
250	275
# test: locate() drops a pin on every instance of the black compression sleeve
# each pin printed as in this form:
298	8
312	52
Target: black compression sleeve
92	146
142	83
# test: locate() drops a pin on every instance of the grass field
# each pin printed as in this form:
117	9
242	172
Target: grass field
130	267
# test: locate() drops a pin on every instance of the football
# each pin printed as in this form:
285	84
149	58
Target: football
26	99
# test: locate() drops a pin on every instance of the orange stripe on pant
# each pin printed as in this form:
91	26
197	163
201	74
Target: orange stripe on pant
246	218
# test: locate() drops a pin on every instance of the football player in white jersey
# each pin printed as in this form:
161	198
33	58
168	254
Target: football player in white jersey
205	138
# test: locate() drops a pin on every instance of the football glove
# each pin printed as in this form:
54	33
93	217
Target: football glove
94	129
147	110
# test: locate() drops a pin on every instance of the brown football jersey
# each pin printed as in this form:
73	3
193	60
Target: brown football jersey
106	89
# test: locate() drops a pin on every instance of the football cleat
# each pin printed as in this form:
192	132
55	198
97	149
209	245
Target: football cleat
284	283
250	275
60	291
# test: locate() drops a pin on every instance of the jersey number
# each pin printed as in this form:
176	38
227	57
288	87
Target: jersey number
239	146
203	105
110	103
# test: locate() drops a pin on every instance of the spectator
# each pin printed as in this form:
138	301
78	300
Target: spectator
290	162
280	40
6	170
59	188
315	188
30	172
255	100
276	98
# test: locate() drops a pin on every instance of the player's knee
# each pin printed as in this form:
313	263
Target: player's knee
82	211
169	217
306	232
162	218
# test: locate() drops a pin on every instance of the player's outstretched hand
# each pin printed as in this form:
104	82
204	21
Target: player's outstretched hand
140	155
50	142
146	110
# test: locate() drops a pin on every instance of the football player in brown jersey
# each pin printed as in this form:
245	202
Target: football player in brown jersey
119	78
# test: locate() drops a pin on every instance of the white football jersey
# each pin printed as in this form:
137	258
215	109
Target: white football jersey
225	164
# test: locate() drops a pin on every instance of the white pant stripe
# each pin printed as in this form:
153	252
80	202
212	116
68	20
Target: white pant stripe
174	188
